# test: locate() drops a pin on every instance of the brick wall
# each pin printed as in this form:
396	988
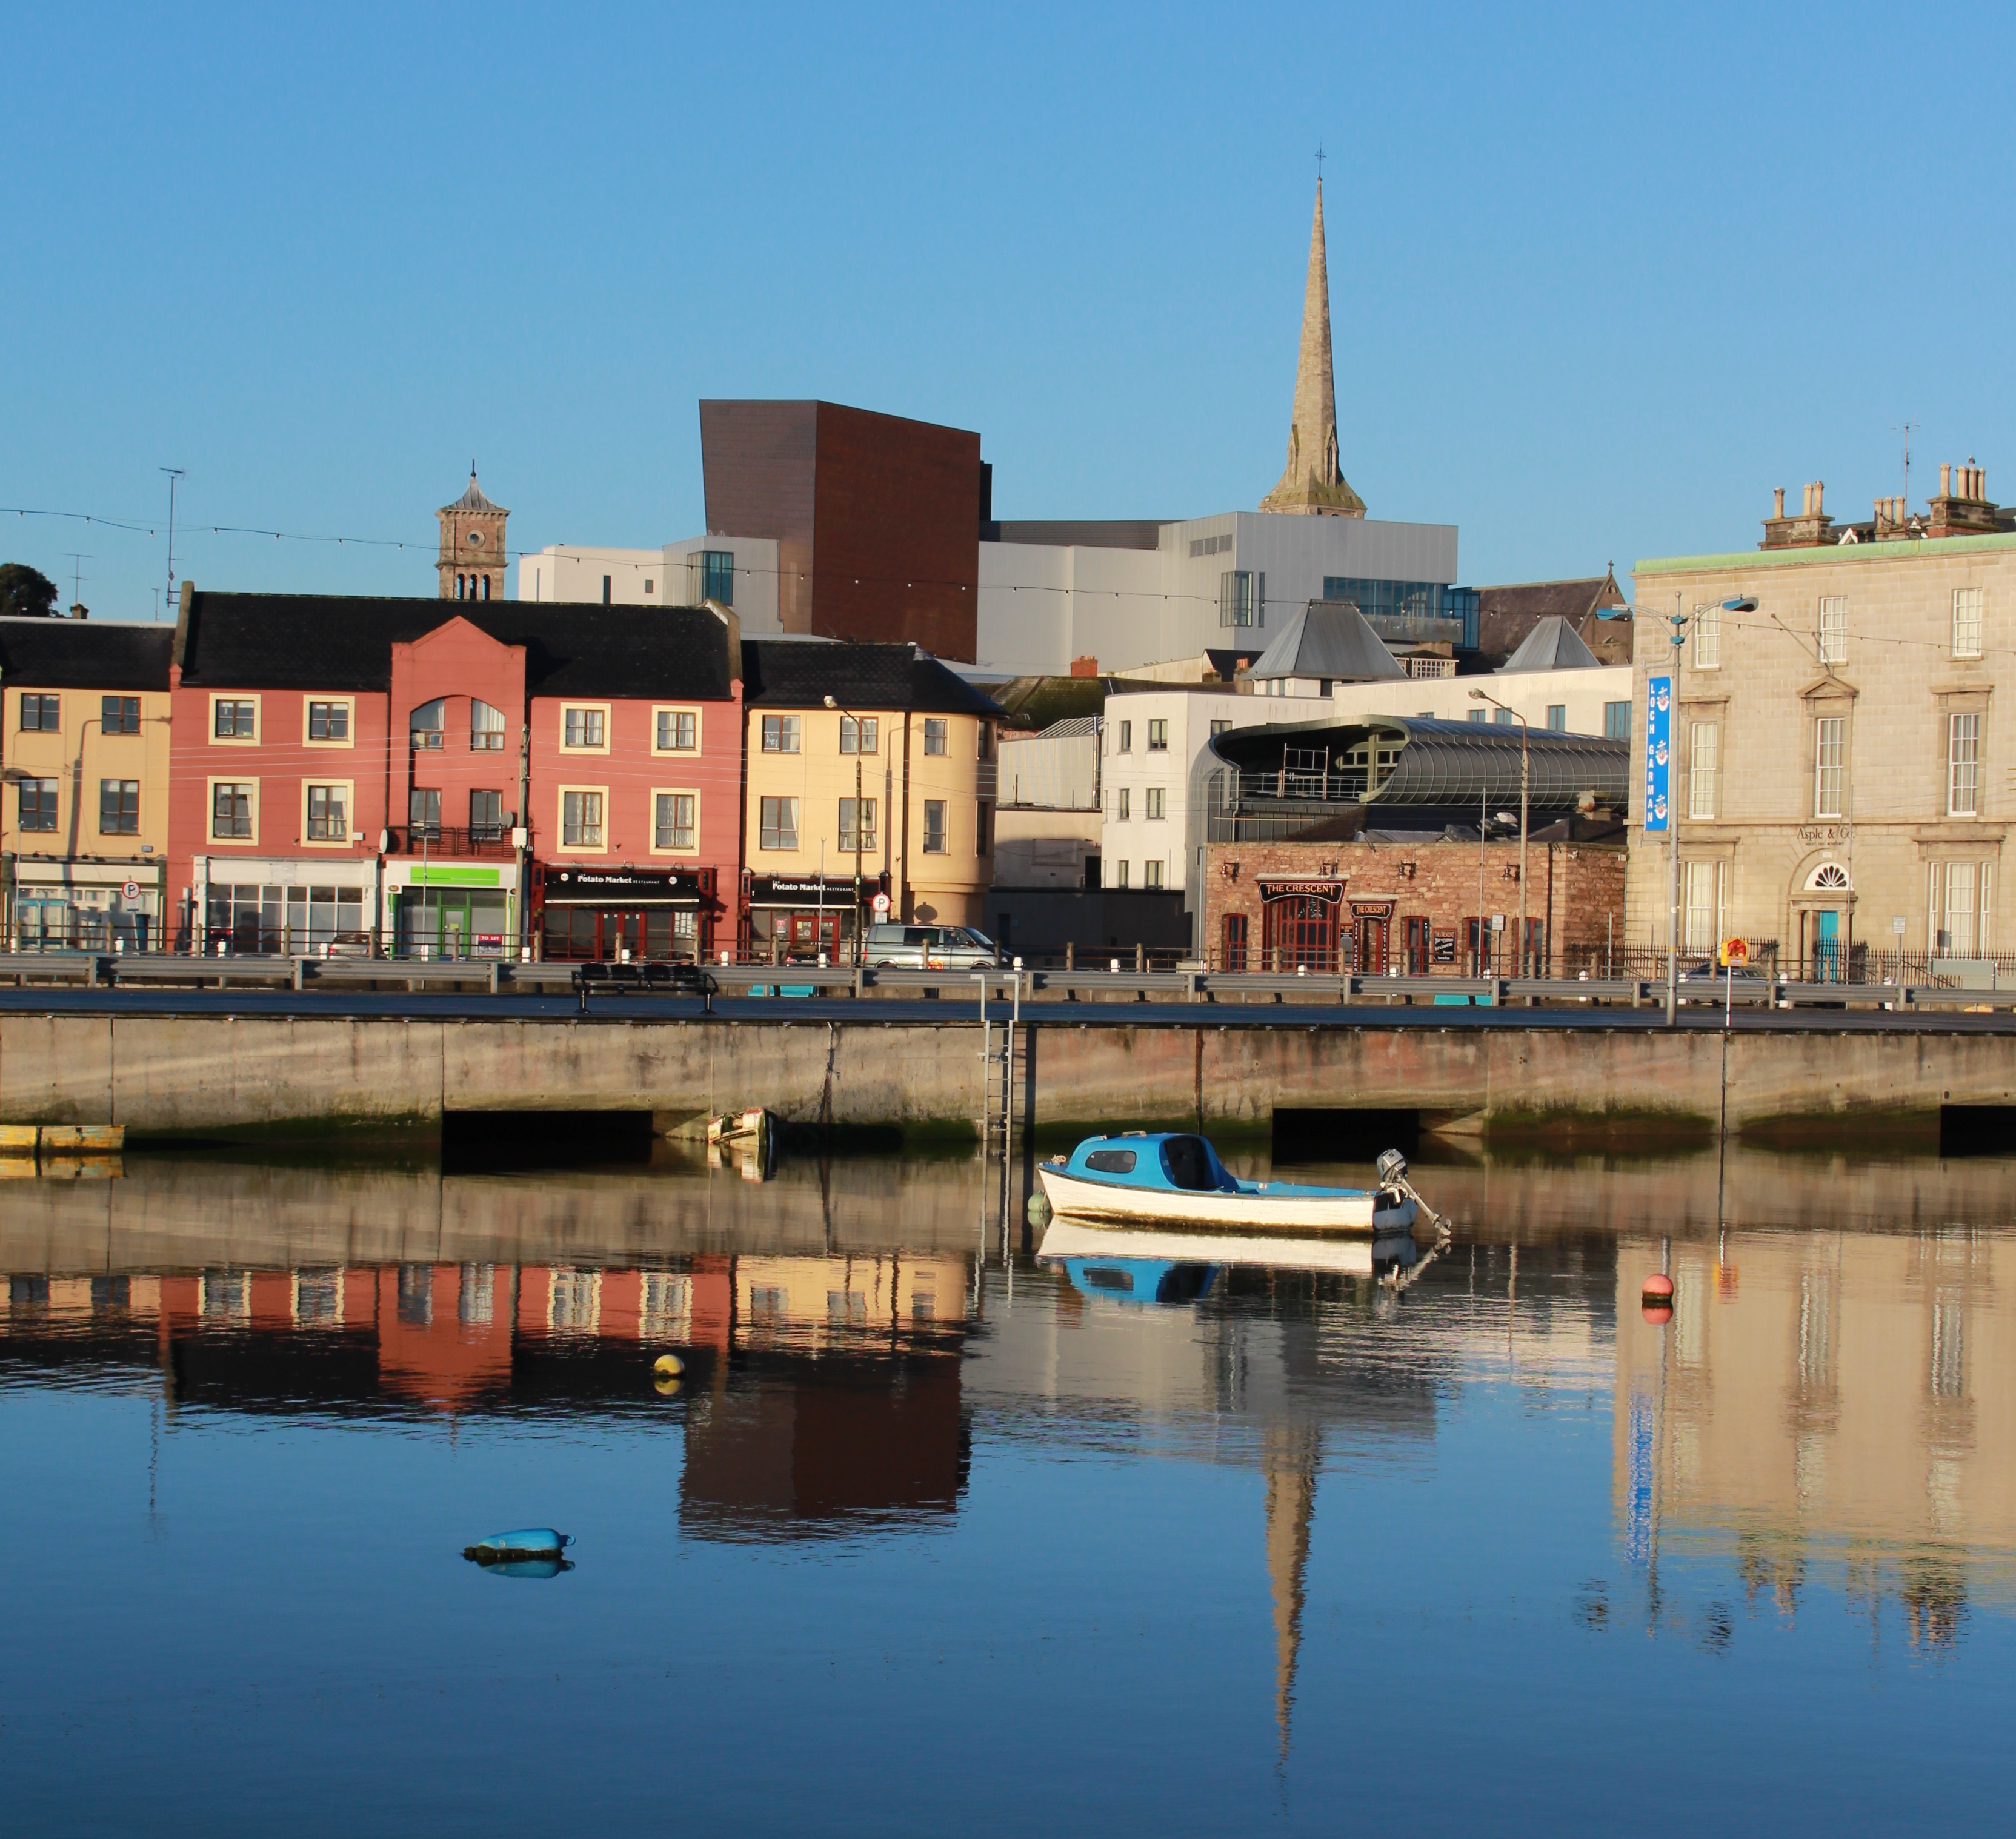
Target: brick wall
1575	890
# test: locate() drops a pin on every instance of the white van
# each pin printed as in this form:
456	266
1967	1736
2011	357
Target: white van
930	948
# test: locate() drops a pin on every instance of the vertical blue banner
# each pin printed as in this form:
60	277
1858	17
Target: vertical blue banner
1658	751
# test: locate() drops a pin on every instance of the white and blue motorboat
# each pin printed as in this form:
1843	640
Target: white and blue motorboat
1162	1178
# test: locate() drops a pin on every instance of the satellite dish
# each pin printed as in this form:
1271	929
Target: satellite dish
384	842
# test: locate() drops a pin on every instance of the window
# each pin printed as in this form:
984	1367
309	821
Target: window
118	806
983	829
38	804
650	586
1503	718
1120	873
1957	934
605	590
423	813
1242	596
1219	728
678	731
1209	545
780	825
1154	802
1474	714
1962	765
935	826
986	741
486	728
486	816
1617	722
1834	629
1158	736
580	820
230	811
860	734
328	814
584	727
1700	887
424	725
673	820
1966	622
1704	739
119	714
1122	805
234	720
1151	874
1708	638
42	713
1830	758
865	842
934	734
329	721
780	735
711	576
1126	737
1557	717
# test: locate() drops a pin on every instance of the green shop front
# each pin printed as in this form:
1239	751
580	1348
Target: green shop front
453	909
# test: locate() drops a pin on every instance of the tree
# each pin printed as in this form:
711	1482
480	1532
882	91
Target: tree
25	591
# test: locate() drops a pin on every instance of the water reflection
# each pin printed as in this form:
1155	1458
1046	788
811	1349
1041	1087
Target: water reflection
1826	1416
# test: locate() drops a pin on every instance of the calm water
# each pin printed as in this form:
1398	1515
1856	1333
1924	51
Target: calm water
937	1535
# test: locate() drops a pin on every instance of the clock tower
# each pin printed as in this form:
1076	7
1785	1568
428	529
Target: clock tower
473	558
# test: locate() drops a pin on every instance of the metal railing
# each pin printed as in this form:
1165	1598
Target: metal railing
491	840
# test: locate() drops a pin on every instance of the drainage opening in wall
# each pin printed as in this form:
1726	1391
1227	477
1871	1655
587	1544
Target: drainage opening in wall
475	1141
1343	1136
1978	1130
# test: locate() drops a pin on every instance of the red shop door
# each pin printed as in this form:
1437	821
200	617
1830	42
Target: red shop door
1304	930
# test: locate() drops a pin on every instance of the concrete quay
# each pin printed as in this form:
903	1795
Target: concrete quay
279	1068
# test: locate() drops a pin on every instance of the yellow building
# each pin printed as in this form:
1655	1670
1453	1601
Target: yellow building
876	755
84	821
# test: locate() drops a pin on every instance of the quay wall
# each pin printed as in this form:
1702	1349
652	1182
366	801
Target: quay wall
291	1076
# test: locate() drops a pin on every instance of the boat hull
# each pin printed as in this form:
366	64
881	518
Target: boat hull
1333	1254
1288	1211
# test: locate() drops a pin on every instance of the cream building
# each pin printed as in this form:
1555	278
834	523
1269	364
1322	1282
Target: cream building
1842	776
876	755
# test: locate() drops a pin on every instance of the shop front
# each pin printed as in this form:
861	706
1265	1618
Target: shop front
299	907
68	905
626	914
1301	922
796	917
453	909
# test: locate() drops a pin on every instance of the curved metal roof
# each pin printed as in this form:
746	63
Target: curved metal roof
1450	765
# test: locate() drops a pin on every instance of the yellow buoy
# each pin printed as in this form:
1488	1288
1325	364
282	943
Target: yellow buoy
669	1366
667	1388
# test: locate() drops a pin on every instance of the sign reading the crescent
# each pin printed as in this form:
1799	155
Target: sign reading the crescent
1274	888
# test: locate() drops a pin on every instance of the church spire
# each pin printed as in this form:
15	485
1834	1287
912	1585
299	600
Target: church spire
1312	484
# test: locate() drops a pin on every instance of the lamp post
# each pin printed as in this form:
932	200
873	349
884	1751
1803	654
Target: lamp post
1679	622
848	715
1477	696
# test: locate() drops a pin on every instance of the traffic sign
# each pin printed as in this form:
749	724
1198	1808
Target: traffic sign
1736	952
880	903
131	890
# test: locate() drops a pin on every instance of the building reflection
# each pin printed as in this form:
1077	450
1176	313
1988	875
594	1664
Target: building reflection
1824	1402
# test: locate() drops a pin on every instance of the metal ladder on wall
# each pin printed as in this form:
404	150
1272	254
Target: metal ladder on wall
1002	1120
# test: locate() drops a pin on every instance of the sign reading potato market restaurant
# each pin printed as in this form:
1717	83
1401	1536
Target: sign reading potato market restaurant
1274	888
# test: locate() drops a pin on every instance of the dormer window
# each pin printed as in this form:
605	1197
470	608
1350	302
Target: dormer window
427	724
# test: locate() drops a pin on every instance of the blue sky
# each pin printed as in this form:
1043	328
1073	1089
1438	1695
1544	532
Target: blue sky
1599	281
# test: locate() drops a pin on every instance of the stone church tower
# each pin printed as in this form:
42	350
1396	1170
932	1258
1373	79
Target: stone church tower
1313	486
473	558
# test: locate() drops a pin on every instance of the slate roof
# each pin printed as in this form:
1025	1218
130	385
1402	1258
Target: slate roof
1329	638
473	500
784	675
84	654
343	641
1551	645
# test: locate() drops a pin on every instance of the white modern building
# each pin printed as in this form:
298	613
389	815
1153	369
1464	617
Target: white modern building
1553	680
739	571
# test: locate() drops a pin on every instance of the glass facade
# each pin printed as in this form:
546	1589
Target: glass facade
1407	610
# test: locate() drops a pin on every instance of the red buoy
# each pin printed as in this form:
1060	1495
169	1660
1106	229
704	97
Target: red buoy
1657	1314
1658	1287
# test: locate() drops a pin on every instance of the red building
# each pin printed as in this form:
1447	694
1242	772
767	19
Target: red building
471	778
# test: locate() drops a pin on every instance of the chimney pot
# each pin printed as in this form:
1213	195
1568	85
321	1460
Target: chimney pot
1946	479
1778	501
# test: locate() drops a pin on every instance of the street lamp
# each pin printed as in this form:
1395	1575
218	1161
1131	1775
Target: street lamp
848	715
1679	622
1477	696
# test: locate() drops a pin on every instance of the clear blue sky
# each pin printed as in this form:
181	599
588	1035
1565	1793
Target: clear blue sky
1598	284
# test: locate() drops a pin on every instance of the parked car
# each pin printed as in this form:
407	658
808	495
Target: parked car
930	948
349	944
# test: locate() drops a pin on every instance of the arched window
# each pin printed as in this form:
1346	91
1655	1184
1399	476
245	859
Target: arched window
427	724
486	728
486	587
1827	878
458	587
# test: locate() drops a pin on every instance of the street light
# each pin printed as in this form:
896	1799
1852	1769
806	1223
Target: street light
1679	622
848	715
1477	696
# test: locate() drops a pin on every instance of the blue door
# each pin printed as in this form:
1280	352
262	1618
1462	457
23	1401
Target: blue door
1826	947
